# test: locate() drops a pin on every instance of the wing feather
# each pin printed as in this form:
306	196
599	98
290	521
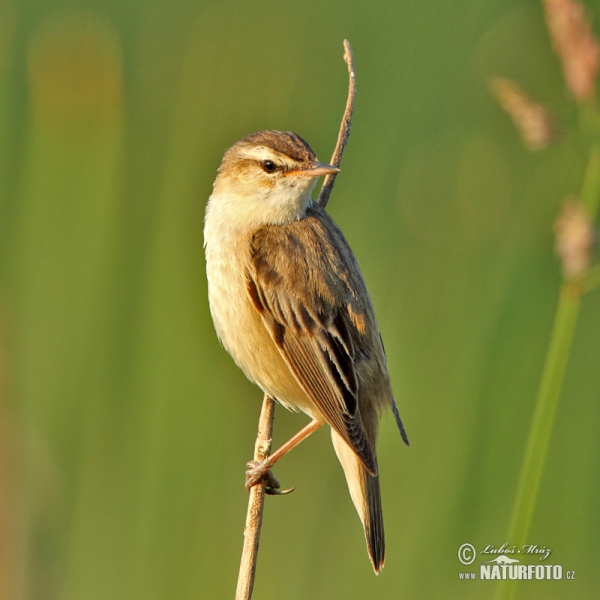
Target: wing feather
309	306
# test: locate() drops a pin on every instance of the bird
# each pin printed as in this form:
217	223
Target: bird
290	305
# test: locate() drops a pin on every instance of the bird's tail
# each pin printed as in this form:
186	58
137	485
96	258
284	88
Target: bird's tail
364	490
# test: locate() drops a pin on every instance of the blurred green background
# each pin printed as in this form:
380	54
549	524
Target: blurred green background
125	427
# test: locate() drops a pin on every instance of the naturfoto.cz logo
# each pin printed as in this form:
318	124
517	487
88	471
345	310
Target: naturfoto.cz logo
506	566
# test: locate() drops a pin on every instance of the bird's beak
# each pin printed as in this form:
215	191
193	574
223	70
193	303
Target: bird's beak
315	169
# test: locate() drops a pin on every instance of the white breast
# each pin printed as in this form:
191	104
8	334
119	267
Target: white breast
237	322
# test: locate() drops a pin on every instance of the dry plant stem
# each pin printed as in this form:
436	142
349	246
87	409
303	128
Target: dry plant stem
255	505
550	388
344	133
262	448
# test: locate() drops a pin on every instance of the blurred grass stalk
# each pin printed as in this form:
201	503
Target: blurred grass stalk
551	383
580	54
65	239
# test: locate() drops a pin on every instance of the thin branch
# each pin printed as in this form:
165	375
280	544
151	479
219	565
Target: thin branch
344	133
255	505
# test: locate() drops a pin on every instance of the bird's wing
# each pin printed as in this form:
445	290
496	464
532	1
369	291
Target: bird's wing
312	299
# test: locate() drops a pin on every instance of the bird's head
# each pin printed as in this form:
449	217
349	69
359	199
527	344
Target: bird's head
267	178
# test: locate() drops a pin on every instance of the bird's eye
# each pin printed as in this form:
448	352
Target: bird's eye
269	166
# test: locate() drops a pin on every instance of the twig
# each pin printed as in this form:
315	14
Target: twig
262	448
344	133
255	505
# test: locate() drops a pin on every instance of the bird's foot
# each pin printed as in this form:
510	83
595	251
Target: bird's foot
259	471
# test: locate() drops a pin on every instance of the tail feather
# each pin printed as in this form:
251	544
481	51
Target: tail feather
399	422
374	524
365	493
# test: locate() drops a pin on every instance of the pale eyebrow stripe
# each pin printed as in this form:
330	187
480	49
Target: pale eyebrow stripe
263	153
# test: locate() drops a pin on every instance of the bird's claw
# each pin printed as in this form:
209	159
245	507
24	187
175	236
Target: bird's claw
258	471
275	492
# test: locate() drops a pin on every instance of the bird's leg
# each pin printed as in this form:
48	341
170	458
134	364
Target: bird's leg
258	470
